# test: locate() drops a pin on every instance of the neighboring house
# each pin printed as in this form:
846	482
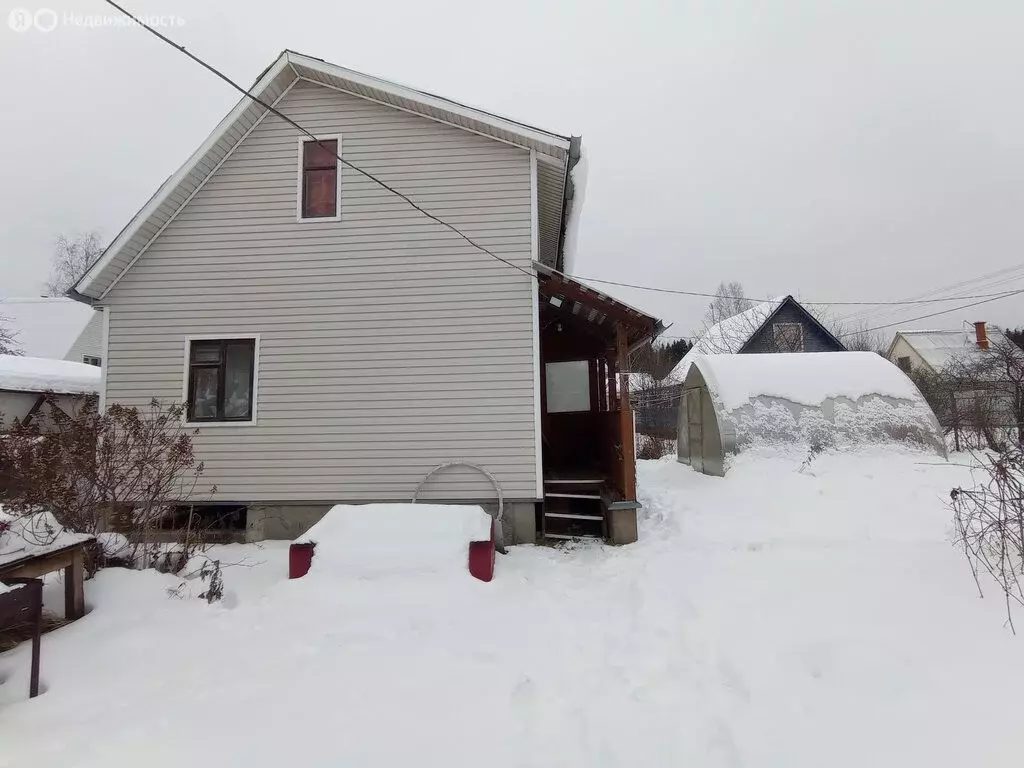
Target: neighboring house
25	382
55	327
336	345
937	351
778	325
972	377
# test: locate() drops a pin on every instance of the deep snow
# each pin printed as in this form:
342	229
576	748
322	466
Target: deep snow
37	374
773	617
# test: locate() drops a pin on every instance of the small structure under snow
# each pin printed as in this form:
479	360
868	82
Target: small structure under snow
376	540
833	399
24	382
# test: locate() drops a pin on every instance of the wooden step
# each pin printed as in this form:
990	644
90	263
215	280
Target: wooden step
573	516
567	516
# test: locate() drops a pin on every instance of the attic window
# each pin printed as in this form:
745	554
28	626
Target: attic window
788	337
319	188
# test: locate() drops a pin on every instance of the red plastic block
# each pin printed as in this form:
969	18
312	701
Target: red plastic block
300	558
481	560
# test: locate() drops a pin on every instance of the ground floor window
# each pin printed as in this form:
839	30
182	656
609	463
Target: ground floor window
221	379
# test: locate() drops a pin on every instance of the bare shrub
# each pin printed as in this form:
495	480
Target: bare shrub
989	524
979	398
124	469
648	447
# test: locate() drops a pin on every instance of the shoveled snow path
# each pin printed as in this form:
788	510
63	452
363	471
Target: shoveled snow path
768	618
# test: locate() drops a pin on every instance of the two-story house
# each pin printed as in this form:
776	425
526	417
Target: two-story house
345	313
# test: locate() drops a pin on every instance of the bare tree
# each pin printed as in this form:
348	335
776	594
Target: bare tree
729	301
71	260
8	338
855	336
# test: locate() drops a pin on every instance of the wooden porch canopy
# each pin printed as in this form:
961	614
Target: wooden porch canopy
592	311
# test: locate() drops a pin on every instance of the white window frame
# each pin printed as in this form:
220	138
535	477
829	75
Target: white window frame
255	377
298	180
777	327
87	358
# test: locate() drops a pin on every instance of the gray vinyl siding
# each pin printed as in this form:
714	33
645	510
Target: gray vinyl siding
89	341
388	344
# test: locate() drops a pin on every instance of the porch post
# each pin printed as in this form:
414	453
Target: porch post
622	349
622	517
613	376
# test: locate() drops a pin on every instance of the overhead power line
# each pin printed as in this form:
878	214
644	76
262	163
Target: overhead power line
802	301
857	331
209	67
301	129
934	314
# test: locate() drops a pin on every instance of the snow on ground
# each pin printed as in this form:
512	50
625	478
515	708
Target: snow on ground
771	617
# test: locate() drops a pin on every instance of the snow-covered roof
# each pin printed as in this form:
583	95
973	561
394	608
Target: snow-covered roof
45	326
23	537
38	374
803	378
552	154
729	335
939	348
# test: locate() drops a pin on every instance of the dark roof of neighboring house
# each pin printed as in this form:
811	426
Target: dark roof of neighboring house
734	334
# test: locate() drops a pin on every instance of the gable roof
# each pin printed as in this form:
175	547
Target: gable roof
45	326
939	348
555	155
733	335
729	336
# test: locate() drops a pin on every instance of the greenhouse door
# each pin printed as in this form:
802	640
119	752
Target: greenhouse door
694	429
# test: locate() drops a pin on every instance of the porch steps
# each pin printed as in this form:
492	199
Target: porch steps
573	508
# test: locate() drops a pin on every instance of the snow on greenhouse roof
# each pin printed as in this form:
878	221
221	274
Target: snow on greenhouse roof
804	378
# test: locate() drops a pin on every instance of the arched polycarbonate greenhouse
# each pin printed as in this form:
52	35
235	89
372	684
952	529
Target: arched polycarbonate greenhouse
828	400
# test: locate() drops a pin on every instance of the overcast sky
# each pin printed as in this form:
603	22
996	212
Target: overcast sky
838	151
